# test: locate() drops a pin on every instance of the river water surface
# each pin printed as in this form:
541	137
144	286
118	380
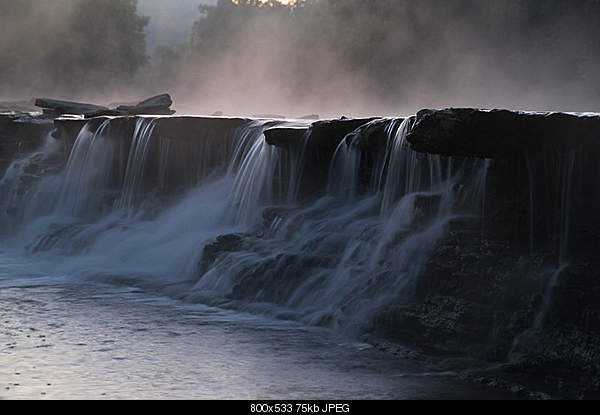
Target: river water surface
63	340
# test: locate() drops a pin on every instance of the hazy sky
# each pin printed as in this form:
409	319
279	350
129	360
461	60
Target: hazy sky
170	20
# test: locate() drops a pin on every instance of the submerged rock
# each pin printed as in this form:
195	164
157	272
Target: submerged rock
222	245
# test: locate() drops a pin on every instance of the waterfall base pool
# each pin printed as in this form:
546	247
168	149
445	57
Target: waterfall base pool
95	341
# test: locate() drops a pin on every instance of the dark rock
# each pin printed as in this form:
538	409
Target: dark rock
157	105
284	136
223	244
68	107
500	133
197	146
68	129
313	150
373	135
328	134
103	113
192	128
426	207
19	134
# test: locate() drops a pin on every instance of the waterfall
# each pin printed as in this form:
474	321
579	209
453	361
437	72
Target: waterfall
297	161
407	171
138	154
253	181
343	175
19	179
338	261
88	173
240	237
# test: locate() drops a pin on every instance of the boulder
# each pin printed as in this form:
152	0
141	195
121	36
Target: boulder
157	105
58	107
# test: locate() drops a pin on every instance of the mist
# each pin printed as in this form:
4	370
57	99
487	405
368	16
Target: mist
326	57
172	25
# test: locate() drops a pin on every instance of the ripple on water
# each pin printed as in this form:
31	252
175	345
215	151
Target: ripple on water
95	348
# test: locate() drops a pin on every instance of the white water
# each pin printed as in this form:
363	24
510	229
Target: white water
336	262
140	146
152	331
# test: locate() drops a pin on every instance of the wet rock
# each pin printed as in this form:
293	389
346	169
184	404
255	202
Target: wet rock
223	244
55	235
328	134
317	146
275	277
374	135
20	134
284	136
426	207
193	128
195	146
67	129
500	133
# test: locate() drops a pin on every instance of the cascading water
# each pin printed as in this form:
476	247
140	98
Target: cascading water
340	260
343	175
558	225
254	179
138	154
360	234
336	261
21	175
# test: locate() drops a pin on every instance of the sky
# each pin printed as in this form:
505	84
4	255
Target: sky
170	20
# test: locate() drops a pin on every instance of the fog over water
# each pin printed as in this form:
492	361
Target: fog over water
330	57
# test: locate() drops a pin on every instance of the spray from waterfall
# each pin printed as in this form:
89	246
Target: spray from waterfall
240	238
